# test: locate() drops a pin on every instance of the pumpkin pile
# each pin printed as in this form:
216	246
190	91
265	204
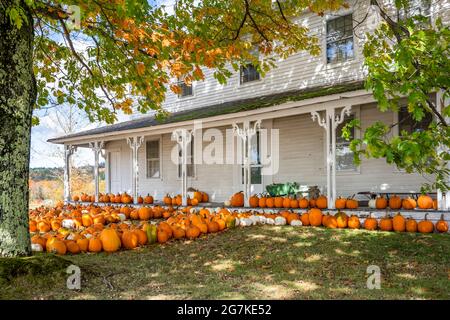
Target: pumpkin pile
266	201
424	202
75	229
195	199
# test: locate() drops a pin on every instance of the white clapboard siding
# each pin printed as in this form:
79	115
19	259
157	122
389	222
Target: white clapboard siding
302	160
296	72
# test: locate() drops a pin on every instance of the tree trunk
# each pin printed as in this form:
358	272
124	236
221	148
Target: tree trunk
17	97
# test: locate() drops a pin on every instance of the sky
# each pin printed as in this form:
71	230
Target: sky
45	154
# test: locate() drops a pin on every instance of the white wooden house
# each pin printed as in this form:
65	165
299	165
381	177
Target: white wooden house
294	98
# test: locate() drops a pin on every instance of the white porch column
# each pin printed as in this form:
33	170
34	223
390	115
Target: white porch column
97	147
183	138
443	198
245	134
330	123
135	143
68	152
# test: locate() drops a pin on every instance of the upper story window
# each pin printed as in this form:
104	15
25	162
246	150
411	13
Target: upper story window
249	73
190	167
153	159
409	125
344	155
415	8
186	90
340	39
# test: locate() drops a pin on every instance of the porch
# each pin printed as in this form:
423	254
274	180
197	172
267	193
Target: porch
303	133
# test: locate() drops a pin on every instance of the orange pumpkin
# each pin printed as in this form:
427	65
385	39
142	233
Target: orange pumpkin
213	226
254	201
162	236
237	200
381	202
278	202
142	236
286	202
270	202
192	232
399	223
341	219
340	203
395	202
303	203
145	213
425	226
110	240
130	239
178	233
411	225
409	203
385	223
305	219
353	222
205	197
370	223
148	199
83	243
442	225
425	202
322	202
315	217
351	203
262	202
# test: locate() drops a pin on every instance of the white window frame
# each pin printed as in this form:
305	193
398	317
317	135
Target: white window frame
180	97
356	113
160	158
243	84
328	17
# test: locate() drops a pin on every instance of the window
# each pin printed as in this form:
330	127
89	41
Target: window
190	167
249	73
409	125
415	8
344	156
186	90
340	39
255	161
153	161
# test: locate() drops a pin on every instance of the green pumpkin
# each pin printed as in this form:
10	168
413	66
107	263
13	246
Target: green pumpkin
231	222
152	234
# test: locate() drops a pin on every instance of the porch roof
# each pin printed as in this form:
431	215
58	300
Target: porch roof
228	107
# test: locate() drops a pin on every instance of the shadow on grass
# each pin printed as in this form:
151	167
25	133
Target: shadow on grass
262	262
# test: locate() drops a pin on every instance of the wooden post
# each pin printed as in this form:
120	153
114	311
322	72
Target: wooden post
97	147
330	124
135	143
68	152
246	133
183	138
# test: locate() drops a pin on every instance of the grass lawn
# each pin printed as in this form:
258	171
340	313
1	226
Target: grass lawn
263	262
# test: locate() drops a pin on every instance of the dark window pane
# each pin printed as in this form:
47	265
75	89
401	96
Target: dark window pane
340	39
249	73
408	124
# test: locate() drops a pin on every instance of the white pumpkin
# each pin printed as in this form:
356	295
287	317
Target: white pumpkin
296	223
193	211
246	222
68	223
262	220
36	247
237	222
227	203
88	235
255	219
270	221
122	216
373	203
84	211
71	236
280	221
